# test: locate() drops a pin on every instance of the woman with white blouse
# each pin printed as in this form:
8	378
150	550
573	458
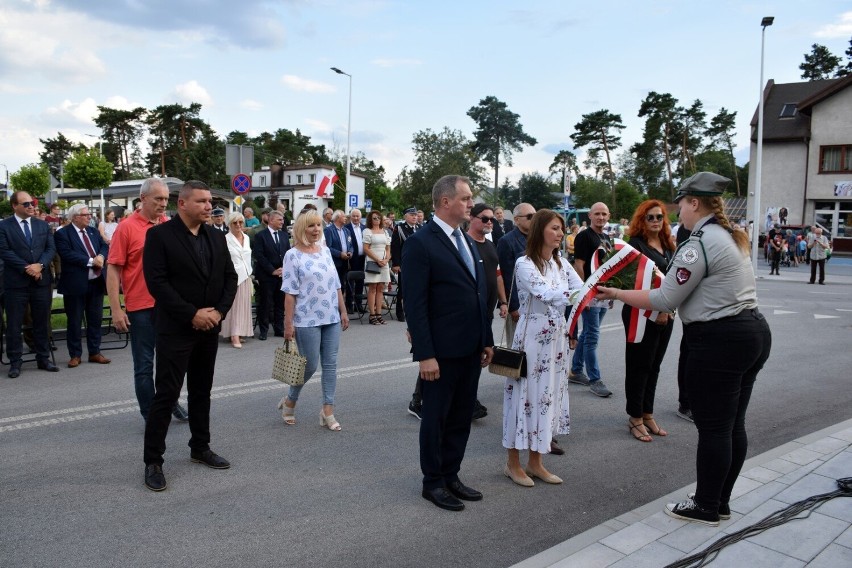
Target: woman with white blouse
238	321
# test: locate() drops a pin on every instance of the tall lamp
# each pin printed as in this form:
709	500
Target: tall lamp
765	23
348	125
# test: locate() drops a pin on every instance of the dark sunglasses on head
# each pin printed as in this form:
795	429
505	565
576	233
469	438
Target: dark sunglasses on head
528	216
658	217
27	204
486	219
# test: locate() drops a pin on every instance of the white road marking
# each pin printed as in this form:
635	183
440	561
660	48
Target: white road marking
782	313
822	317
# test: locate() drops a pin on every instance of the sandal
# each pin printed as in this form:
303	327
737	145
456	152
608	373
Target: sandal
329	422
641	437
650	423
374	320
381	320
287	413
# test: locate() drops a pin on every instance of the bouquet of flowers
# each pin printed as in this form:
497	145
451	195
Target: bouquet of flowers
620	266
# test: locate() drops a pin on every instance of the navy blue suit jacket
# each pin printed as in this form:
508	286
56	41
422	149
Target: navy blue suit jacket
444	305
268	258
74	279
332	241
17	254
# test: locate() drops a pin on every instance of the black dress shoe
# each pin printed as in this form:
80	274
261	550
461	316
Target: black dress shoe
48	366
154	478
262	336
464	492
210	459
14	372
443	499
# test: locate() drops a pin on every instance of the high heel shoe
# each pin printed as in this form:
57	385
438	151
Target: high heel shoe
641	437
287	413
524	481
546	477
329	422
650	423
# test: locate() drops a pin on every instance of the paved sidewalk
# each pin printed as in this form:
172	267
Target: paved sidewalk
769	482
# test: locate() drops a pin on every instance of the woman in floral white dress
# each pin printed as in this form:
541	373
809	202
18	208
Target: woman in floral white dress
535	407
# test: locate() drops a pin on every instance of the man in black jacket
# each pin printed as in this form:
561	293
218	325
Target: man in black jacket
189	273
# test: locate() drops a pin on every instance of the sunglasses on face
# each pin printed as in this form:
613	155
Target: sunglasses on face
27	204
528	216
651	218
486	219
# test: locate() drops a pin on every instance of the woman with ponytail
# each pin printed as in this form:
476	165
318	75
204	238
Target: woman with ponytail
711	283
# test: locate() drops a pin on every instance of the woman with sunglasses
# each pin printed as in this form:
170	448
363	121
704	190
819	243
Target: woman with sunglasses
650	234
377	249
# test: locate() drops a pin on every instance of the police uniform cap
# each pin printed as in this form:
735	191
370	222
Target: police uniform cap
218	211
702	184
410	211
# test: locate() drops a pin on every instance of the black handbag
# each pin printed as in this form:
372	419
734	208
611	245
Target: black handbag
372	267
507	362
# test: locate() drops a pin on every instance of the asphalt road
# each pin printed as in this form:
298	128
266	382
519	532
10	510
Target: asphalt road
71	472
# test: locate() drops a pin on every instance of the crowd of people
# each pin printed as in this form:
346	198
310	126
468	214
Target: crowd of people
181	285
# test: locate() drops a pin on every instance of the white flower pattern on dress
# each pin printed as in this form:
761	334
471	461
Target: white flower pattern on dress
313	280
535	408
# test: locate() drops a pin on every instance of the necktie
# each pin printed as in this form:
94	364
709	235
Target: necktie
91	250
463	252
27	233
275	237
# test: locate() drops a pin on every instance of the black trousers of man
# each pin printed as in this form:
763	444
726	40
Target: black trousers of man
90	304
192	355
39	300
270	302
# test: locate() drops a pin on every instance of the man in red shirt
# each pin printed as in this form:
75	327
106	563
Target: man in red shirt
125	273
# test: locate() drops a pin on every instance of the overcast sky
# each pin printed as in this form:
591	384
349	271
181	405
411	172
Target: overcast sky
264	64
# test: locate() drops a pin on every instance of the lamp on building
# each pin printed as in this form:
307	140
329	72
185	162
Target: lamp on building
348	125
766	22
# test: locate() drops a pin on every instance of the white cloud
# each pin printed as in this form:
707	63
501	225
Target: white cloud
251	104
841	30
318	125
295	83
388	62
192	92
70	113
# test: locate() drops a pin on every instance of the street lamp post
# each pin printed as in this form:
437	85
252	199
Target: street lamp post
348	125
755	232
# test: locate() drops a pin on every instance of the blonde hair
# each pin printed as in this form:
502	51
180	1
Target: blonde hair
300	227
716	206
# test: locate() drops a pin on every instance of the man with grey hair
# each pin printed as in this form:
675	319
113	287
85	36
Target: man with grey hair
125	273
510	248
341	243
327	214
268	251
81	283
818	245
356	230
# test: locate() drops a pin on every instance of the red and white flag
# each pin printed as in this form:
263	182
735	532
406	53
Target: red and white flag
322	183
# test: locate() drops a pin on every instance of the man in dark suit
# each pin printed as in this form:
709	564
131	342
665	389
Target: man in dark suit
340	241
82	283
401	233
27	248
445	285
189	273
356	230
501	226
268	251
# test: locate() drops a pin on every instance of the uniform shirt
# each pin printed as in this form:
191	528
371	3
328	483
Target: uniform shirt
710	277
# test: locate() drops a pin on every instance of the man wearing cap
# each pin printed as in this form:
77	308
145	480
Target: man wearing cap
218	217
400	234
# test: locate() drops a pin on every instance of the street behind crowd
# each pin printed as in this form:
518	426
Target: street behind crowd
71	477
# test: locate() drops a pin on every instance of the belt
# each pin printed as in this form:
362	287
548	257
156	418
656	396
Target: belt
750	314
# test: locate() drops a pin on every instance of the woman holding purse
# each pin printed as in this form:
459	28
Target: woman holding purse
377	249
314	313
535	407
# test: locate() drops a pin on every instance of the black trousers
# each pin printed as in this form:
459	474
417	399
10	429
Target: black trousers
682	397
92	305
446	416
356	263
821	265
642	364
270	303
724	359
400	309
39	300
192	355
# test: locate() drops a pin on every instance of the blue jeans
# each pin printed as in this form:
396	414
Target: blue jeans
587	345
319	345
142	341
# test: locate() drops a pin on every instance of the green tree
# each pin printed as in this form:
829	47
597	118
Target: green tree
56	152
692	125
88	169
600	131
847	69
173	129
661	114
205	159
820	63
32	178
565	162
588	190
537	190
122	130
721	132
499	133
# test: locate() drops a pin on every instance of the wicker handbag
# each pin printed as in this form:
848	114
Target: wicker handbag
288	366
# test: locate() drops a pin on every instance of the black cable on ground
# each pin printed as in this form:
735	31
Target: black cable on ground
777	518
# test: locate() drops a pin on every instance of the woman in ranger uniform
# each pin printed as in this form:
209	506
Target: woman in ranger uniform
711	282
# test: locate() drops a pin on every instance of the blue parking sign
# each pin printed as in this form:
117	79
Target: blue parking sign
353	200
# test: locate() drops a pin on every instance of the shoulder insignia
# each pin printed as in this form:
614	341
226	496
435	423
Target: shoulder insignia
682	275
699	233
689	254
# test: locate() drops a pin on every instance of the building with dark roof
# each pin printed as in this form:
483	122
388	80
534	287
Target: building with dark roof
807	156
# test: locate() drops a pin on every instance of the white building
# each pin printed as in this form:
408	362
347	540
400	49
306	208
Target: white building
297	186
